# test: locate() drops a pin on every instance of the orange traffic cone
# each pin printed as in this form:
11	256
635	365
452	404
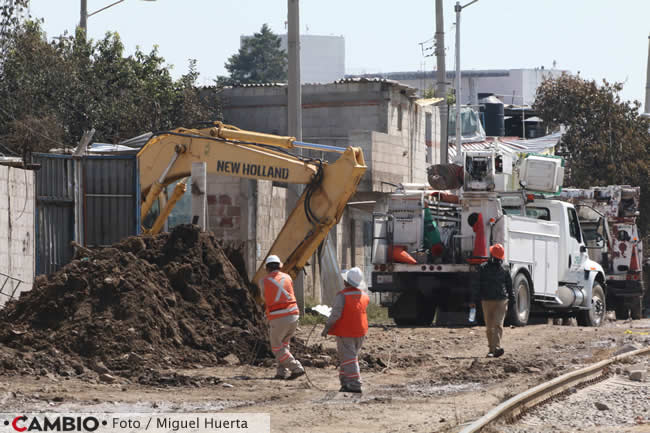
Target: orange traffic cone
479	254
398	254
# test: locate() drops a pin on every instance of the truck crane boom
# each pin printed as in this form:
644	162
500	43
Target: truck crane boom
227	150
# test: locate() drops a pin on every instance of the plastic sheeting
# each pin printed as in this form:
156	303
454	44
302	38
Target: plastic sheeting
330	273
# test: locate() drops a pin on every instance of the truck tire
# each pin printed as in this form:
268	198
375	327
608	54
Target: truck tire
413	309
635	308
621	309
596	314
519	310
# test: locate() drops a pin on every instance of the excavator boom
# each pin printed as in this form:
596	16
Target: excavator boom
226	150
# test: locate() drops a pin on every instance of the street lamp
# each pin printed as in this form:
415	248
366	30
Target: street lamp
458	8
83	22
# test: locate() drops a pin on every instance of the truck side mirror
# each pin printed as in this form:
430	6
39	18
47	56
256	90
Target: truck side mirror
583	249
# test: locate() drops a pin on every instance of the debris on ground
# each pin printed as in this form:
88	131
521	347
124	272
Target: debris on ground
169	301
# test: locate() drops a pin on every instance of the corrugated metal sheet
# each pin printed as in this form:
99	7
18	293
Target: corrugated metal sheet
110	199
543	145
54	211
109	209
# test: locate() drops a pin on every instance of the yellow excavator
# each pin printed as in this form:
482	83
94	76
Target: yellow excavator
227	150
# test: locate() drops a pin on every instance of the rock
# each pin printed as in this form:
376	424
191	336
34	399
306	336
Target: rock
58	399
227	385
601	406
326	358
99	368
533	370
105	377
231	359
638	375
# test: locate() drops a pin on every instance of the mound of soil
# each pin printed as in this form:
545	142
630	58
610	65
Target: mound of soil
172	300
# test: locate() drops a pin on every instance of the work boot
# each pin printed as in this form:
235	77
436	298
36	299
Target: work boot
296	374
281	376
346	389
498	352
490	355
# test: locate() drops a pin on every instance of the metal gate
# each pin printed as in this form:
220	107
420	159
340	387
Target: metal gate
54	211
110	198
92	200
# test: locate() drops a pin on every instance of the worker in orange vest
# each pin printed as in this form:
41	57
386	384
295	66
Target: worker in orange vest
282	312
349	323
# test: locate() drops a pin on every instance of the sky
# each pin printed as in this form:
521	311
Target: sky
600	39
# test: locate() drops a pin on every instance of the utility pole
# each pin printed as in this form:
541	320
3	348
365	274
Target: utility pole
647	82
295	92
441	84
294	113
83	19
458	8
459	152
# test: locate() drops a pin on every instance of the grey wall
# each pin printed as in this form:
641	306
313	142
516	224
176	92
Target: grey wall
16	231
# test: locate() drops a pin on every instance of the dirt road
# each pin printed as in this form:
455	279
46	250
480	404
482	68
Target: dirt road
420	380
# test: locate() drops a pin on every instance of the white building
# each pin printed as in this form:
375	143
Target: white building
512	86
322	58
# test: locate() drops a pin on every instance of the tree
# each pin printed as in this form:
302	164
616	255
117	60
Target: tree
53	92
606	141
259	60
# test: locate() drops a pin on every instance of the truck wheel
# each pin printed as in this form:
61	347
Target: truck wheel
519	311
596	314
621	309
635	308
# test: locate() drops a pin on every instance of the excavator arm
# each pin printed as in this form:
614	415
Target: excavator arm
226	150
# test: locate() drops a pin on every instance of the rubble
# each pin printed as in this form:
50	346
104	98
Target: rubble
160	302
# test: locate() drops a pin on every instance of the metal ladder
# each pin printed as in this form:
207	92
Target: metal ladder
6	292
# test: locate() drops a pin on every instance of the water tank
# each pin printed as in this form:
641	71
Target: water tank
492	109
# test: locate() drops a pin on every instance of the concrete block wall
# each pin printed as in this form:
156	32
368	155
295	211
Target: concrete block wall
17	232
225	207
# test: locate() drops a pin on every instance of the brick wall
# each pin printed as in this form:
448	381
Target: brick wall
225	206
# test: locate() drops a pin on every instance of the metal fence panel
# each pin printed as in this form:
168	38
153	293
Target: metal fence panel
54	211
110	199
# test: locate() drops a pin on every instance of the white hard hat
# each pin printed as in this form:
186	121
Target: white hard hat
272	259
353	277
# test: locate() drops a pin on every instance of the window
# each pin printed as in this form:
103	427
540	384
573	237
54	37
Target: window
574	225
540	213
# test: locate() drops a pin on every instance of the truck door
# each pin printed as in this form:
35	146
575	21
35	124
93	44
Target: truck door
573	243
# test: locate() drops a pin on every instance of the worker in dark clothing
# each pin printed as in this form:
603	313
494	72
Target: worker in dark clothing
493	288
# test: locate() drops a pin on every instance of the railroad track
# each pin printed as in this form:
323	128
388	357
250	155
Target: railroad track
513	409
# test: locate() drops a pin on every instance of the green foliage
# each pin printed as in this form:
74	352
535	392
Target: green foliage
259	60
53	92
606	141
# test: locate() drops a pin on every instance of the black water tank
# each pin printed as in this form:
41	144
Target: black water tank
492	108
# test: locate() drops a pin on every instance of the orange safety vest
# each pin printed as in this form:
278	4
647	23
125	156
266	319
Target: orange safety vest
354	320
278	295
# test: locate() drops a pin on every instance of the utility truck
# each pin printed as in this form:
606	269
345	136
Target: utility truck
607	216
503	199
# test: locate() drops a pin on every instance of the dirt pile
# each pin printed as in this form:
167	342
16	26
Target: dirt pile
173	300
